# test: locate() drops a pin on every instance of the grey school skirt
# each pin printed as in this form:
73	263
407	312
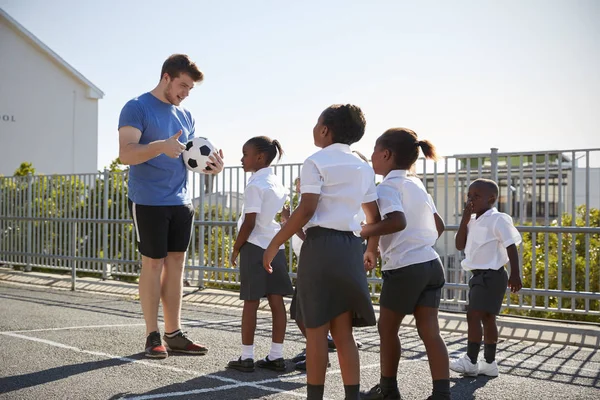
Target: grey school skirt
332	279
256	282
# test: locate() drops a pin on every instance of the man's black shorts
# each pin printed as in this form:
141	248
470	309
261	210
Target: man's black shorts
162	229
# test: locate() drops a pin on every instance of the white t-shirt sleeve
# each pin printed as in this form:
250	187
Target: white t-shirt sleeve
252	199
296	244
371	194
505	231
432	204
311	180
388	199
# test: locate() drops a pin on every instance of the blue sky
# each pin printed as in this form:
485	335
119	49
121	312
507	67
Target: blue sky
467	75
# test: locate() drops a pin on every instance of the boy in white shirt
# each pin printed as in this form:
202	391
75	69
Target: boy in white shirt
489	240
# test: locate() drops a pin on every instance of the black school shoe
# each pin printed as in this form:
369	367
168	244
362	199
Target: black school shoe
439	397
376	393
246	365
330	344
299	357
275	365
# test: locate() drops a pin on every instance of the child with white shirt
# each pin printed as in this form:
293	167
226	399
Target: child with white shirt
412	272
489	240
296	243
264	197
332	288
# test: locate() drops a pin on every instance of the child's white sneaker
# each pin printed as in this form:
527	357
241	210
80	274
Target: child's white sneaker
490	369
464	366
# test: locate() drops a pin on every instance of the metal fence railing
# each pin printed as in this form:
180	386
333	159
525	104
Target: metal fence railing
81	223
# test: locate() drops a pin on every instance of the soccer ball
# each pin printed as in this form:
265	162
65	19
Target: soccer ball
196	154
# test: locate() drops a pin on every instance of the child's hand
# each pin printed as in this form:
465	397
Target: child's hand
370	260
514	283
285	214
234	256
268	256
468	211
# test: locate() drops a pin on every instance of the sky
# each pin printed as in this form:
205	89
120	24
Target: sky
466	75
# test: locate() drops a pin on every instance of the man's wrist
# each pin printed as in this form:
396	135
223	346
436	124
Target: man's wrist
159	146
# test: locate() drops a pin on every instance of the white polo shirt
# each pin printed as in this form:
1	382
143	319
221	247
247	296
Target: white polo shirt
343	182
414	244
264	195
487	239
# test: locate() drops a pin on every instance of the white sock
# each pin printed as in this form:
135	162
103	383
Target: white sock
276	351
173	334
247	351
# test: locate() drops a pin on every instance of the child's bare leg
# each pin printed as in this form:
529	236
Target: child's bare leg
490	337
316	354
249	321
302	328
439	365
279	317
474	319
388	326
341	330
475	332
429	332
490	329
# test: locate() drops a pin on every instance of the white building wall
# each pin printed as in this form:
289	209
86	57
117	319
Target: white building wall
580	189
46	117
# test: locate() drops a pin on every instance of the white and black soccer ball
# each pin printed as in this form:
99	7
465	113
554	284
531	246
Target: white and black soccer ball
196	154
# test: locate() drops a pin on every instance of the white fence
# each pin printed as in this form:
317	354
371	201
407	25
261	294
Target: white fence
80	223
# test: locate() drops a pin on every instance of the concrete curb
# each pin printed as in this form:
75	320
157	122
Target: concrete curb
514	328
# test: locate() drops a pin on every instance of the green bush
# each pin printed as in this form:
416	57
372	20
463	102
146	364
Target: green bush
565	268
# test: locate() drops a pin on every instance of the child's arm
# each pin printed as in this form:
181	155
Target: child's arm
285	216
514	282
390	206
460	240
301	235
243	235
372	213
299	218
507	235
439	224
393	222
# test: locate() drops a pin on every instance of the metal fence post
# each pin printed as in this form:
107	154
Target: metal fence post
201	259
105	266
494	169
494	161
29	221
73	236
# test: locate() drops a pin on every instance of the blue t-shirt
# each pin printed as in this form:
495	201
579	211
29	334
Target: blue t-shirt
161	181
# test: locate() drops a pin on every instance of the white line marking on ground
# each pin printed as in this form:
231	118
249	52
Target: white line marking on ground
233	382
66	328
216	321
100	354
216	389
74	327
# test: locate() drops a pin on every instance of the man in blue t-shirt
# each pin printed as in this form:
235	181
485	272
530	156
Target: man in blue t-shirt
153	130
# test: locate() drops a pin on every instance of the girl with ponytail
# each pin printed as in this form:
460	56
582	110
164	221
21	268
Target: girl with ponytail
412	272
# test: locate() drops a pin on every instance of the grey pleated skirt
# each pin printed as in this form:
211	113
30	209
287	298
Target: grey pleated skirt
256	282
332	279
